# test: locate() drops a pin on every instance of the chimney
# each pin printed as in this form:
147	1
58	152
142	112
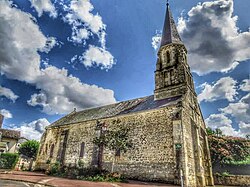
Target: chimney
1	120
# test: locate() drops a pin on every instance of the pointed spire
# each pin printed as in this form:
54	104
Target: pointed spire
170	33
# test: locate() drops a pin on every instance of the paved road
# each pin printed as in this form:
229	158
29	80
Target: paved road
41	179
8	183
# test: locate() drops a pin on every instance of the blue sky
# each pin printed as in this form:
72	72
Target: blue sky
59	55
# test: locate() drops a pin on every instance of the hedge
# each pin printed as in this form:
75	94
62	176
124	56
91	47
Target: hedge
8	160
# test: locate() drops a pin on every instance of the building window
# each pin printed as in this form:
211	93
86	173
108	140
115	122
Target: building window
46	149
51	151
118	153
168	57
167	77
82	150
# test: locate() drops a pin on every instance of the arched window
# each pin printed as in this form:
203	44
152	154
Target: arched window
51	151
168	57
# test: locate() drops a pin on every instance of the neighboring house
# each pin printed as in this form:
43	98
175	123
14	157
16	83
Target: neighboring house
167	129
8	139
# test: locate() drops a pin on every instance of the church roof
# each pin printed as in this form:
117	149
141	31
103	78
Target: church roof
169	32
125	107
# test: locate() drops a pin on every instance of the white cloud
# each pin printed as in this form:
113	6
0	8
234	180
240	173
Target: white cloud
99	57
79	35
156	40
60	92
218	120
102	39
181	24
224	88
44	6
6	113
33	130
230	68
80	15
225	125
244	128
50	43
245	86
20	41
8	93
239	110
84	24
212	37
81	10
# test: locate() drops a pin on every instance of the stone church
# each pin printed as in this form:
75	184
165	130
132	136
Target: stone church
167	128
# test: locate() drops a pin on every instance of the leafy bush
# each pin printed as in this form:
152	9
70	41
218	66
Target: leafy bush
87	173
55	168
104	177
8	160
225	149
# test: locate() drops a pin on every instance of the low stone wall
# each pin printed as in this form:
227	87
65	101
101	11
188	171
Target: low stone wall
233	180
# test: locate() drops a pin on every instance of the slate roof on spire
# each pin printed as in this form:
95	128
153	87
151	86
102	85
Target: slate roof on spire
170	33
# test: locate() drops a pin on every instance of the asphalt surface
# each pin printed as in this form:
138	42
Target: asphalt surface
9	183
11	179
36	179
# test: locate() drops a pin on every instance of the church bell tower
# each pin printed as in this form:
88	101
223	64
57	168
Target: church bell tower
172	75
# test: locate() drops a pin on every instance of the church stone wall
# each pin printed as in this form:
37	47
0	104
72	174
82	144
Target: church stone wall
190	161
197	166
151	158
48	148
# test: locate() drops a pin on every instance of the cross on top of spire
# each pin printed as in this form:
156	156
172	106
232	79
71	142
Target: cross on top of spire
167	2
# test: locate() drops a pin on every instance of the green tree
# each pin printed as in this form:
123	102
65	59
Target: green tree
101	141
117	141
29	148
210	131
218	132
248	136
